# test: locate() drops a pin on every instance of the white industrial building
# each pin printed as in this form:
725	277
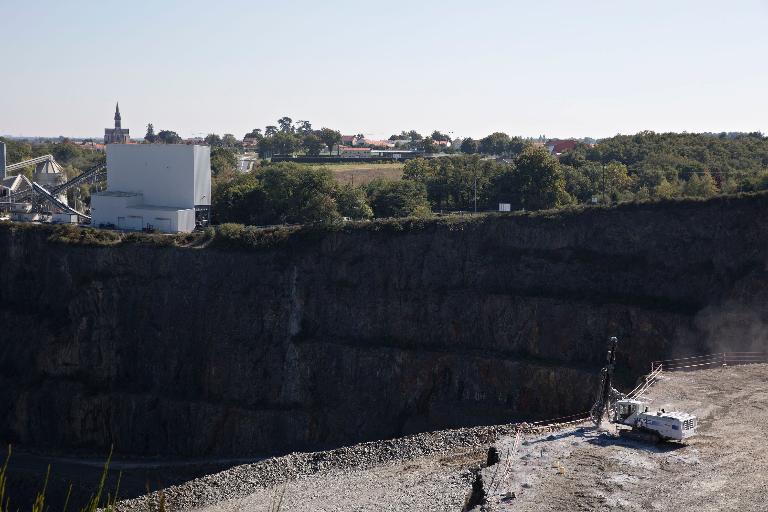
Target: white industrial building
153	186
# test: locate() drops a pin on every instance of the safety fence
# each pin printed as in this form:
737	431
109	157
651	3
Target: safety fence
709	361
648	381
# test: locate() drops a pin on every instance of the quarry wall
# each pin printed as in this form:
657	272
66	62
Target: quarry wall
361	333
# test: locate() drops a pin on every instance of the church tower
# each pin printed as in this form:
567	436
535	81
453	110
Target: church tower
117	116
118	134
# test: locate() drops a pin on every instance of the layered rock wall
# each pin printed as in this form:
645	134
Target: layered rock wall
363	334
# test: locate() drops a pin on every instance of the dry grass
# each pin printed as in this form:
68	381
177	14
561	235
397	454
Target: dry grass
362	173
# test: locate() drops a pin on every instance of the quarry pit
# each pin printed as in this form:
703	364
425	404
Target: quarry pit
325	338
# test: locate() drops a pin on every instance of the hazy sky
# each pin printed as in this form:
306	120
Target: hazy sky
560	68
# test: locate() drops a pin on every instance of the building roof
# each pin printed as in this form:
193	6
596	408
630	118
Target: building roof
561	146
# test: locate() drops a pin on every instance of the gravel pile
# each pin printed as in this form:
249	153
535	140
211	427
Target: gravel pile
245	480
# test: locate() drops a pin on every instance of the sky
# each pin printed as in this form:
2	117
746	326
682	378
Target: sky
556	68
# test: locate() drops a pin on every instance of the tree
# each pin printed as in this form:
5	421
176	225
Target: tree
454	183
286	125
469	146
666	190
229	141
304	127
266	146
330	138
240	200
150	136
400	198
254	134
607	182
535	182
298	194
440	137
412	135
353	203
169	137
702	185
285	143
429	145
213	140
312	144
495	144
278	193
270	131
223	161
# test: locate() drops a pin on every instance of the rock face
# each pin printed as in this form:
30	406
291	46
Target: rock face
363	334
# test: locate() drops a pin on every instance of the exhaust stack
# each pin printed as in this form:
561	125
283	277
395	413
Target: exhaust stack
2	160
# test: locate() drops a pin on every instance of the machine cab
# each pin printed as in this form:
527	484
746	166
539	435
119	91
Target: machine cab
628	409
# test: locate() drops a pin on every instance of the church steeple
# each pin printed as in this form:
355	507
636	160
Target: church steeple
117	116
116	135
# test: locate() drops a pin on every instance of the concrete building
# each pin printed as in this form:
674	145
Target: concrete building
154	186
118	134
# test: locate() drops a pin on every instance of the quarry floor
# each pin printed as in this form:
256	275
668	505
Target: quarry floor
724	468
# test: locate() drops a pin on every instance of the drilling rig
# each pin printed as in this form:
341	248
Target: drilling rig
632	416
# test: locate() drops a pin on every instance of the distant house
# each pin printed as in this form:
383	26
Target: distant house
558	147
351	152
378	143
250	142
350	140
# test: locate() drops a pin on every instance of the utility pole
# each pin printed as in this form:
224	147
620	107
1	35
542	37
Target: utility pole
475	190
605	199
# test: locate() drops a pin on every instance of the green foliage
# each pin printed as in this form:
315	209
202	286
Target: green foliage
312	144
150	136
69	234
672	164
213	140
607	183
700	186
428	145
169	137
499	143
534	182
238	236
450	182
470	146
95	503
285	193
223	160
241	199
353	203
402	198
329	137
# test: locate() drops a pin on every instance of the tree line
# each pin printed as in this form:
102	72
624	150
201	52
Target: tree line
298	193
651	165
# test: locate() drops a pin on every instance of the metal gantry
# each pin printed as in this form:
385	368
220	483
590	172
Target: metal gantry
34	192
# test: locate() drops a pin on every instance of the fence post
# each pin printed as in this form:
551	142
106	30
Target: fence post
725	359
